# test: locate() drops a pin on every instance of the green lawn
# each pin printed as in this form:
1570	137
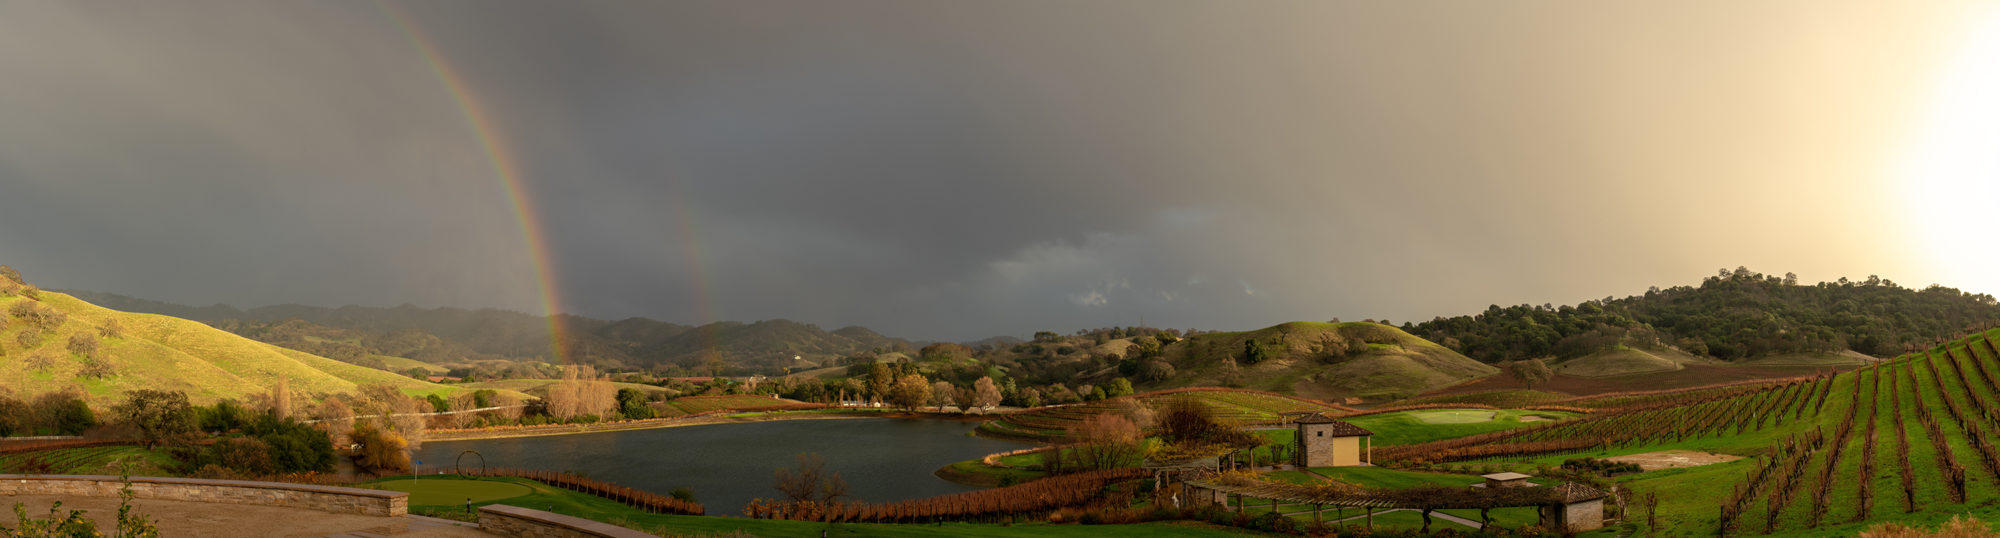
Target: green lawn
1411	427
1383	477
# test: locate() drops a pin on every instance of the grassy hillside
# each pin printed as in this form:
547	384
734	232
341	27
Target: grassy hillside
447	335
1322	360
1052	424
134	351
1624	360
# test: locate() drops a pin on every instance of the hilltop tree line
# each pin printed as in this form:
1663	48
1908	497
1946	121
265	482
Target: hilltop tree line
1734	315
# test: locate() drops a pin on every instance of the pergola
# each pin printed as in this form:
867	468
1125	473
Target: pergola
1369	501
1295	494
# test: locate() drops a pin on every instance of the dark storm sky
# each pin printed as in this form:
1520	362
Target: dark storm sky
956	170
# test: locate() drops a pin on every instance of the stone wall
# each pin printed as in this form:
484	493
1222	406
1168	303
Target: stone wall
322	498
515	521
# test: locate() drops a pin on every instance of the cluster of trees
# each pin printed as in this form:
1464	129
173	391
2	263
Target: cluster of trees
54	413
907	385
1733	315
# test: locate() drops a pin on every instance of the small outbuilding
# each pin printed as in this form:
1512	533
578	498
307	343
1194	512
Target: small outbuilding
1506	480
1581	508
1325	442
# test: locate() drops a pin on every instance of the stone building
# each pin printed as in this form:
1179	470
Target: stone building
1325	442
1582	508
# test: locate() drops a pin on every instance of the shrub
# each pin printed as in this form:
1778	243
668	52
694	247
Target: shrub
244	454
83	345
13	416
63	414
111	329
222	417
1956	528
380	449
41	362
97	369
1274	522
302	449
29	338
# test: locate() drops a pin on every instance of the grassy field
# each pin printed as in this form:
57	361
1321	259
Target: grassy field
166	353
1410	427
543	497
400	364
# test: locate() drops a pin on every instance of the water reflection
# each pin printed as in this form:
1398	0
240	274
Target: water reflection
727	465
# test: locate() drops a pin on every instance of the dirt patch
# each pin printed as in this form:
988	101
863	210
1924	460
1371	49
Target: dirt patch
1671	459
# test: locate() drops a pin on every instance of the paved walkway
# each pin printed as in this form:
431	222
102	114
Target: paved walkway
182	518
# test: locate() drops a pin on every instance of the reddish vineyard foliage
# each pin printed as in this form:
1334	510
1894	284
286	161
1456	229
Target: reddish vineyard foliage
1417	407
1948	466
1865	501
1902	442
643	500
17	447
1028	498
1660	415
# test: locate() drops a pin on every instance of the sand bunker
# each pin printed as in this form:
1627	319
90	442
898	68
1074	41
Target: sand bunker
1533	418
1670	459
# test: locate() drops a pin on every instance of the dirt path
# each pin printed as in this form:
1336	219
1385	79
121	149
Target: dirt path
182	518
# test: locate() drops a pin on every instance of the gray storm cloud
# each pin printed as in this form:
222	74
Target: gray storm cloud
954	170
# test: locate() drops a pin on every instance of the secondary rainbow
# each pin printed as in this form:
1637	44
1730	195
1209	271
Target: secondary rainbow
502	163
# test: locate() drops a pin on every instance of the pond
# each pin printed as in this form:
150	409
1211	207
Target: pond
727	465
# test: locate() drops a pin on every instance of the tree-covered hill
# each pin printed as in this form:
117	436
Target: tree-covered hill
1734	315
455	335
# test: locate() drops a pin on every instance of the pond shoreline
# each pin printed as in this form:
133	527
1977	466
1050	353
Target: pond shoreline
649	424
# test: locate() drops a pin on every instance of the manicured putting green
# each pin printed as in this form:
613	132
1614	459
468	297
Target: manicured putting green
453	492
1460	416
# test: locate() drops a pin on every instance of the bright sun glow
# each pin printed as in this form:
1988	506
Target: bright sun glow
1950	173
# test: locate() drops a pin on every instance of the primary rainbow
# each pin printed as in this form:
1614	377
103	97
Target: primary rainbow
503	168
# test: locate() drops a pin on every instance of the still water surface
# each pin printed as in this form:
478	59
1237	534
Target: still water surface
727	465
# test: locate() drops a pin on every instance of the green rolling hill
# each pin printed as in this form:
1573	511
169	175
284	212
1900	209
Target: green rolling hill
1321	360
53	342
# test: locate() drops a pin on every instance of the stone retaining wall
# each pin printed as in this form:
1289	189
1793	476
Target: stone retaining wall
322	498
521	522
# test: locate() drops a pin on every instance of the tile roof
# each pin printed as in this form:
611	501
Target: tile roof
1340	428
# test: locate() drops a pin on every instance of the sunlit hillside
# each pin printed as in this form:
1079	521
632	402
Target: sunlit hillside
52	342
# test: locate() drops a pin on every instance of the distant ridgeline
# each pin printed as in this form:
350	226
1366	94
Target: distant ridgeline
457	335
1734	315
